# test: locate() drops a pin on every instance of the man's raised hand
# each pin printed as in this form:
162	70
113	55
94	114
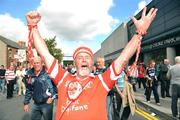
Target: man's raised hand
143	24
33	17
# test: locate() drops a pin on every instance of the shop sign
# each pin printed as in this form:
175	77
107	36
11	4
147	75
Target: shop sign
160	44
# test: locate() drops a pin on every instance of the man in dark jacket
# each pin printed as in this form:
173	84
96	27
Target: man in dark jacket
165	83
41	89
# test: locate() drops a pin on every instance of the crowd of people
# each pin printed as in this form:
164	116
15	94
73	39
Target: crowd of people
33	82
12	79
90	91
150	77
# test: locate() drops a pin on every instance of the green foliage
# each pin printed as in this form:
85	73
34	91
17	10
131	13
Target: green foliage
56	52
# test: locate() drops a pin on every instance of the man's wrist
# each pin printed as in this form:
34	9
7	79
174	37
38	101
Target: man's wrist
139	36
32	26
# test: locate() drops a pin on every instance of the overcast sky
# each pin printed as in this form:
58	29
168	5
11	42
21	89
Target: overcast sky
73	22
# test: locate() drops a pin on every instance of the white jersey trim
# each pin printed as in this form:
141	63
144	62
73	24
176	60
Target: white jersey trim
59	83
103	83
54	72
112	74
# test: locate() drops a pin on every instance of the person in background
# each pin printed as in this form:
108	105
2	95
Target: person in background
174	75
141	75
132	76
119	96
70	68
151	82
40	88
10	80
101	68
94	69
165	83
20	74
2	78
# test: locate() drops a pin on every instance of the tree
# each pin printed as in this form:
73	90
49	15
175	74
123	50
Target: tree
56	52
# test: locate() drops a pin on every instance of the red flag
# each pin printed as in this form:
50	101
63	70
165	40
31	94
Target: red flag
30	44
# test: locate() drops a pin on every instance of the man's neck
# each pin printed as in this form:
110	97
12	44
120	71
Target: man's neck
81	78
37	72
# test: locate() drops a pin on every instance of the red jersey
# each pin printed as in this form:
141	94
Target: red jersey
141	72
91	103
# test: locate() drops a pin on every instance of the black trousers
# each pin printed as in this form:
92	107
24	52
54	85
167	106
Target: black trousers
165	85
10	88
133	82
155	92
143	81
117	103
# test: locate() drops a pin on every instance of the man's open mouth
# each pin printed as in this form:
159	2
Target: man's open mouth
84	67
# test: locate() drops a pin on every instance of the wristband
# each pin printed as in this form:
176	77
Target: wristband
139	36
31	26
141	33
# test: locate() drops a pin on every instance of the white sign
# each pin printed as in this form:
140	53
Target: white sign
21	55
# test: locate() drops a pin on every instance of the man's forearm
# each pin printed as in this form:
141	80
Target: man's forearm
127	53
39	43
27	97
141	28
41	47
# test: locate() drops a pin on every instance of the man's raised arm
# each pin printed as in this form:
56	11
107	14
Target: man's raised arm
33	18
141	28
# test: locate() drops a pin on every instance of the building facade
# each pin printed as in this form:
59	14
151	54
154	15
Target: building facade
163	38
12	52
9	48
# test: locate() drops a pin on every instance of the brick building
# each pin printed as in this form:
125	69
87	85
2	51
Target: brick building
8	49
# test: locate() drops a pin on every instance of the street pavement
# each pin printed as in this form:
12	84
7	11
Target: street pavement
12	109
163	112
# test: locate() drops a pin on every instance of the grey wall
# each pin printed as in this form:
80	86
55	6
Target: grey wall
113	44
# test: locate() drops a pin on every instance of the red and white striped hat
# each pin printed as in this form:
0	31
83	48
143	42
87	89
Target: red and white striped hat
82	50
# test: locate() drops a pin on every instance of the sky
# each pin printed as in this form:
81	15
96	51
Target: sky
74	22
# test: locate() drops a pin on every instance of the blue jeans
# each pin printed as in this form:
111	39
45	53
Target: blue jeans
109	107
174	101
42	110
2	85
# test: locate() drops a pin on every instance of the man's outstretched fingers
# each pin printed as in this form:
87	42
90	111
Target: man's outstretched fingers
150	12
144	12
134	19
154	14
